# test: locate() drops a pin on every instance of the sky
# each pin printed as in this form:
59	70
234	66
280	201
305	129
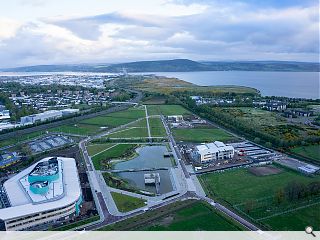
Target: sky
34	32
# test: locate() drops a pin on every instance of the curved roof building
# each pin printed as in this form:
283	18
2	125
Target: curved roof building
47	191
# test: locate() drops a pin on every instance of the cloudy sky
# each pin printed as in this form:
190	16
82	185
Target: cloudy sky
105	31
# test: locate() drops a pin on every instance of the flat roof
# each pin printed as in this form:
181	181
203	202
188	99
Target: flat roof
22	204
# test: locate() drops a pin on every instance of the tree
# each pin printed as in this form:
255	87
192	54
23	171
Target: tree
279	196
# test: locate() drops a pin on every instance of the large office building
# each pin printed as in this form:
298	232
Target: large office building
210	152
41	117
46	192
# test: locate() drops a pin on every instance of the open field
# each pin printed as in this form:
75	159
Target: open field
117	118
119	150
127	203
130	132
97	148
187	215
201	135
79	129
297	219
19	139
156	127
198	217
312	152
264	171
255	195
166	110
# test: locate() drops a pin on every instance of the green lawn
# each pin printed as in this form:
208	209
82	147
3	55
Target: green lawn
120	150
156	127
96	148
20	138
296	220
312	151
79	129
167	110
240	186
197	217
127	203
201	135
136	132
117	118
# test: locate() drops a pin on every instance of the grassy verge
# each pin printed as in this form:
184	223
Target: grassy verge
77	224
311	152
127	203
183	215
201	135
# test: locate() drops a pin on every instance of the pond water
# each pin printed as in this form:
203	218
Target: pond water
149	157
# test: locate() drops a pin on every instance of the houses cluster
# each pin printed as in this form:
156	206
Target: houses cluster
61	99
215	101
4	113
89	80
271	105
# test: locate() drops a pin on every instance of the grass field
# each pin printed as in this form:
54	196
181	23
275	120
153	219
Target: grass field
130	132
96	148
197	217
127	203
20	138
156	127
79	129
167	110
312	151
180	215
117	118
119	150
239	187
201	135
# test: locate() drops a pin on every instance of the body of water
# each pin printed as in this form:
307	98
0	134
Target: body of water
287	84
149	157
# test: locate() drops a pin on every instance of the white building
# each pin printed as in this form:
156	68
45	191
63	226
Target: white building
69	111
48	191
175	118
212	152
4	115
41	117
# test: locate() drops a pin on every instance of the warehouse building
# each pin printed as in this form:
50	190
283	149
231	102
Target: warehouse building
41	117
212	152
46	192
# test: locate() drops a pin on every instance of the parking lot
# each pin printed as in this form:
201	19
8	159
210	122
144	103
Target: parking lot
49	142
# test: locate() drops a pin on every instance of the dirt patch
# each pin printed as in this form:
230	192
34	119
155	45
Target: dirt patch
166	221
264	171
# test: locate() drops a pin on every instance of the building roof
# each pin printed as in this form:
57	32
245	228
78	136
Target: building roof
214	147
23	203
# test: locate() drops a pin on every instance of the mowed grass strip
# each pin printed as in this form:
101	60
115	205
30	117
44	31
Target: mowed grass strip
135	132
312	151
115	152
201	135
78	129
156	127
166	110
198	217
117	118
126	203
97	148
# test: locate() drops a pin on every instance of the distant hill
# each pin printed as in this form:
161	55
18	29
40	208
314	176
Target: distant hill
176	65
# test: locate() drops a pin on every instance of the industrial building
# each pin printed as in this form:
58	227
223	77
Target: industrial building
212	152
175	118
41	117
8	158
47	115
47	192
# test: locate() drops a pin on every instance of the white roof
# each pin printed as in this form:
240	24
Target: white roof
22	204
213	147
